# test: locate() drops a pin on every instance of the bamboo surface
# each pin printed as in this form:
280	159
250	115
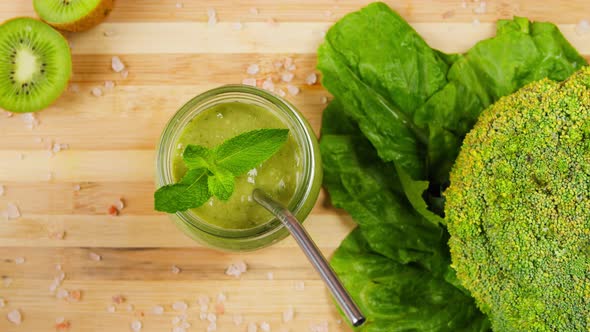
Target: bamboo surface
173	54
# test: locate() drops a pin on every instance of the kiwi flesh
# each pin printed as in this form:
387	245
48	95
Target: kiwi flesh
73	15
35	65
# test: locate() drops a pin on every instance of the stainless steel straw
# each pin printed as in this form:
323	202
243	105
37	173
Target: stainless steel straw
346	303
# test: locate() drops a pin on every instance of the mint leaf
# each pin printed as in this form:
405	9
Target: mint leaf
221	183
246	151
191	192
196	156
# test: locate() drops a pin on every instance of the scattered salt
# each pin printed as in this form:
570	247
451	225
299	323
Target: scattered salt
236	269
288	314
281	92
249	81
203	315
270	276
94	256
15	317
253	69
203	300
130	307
111	308
254	11
268	84
109	85
120	204
6	281
179	5
583	27
118	299
58	267
30	120
311	79
212	15
251	180
60	320
175	320
221	297
96	91
2	303
117	64
62	293
12	211
287	77
299	285
211	317
1	190
237	319
179	306
463	4
265	327
219	115
77	187
175	269
293	90
158	310
212	327
237	26
19	260
136	326
319	327
125	74
252	327
278	65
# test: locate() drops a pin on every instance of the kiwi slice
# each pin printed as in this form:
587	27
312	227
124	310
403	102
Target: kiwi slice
35	65
73	15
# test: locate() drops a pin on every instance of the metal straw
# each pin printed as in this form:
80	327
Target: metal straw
346	303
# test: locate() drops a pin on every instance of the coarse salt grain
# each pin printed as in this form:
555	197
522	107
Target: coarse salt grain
319	327
253	69
203	315
299	285
179	5
237	319
288	314
293	90
7	281
12	211
158	310
136	326
311	79
265	327
268	84
94	256
111	308
287	77
57	235
211	317
77	187
15	317
118	299
270	276
212	327
203	300
221	297
19	260
249	81
237	26
175	320
254	11
62	293
120	204
117	65
281	92
212	16
125	74
2	303
175	269
96	91
179	306
60	320
583	27
1	190
463	4
109	85
252	327
75	88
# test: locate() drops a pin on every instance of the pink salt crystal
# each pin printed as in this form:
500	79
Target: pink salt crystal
62	293
77	187
249	81
125	74
12	211
253	69
109	85
7	281
179	306
311	79
583	27
19	260
1	190
237	319
265	327
15	317
179	5
158	310
293	90
94	256
281	92
268	84
288	314
299	286
2	303
111	308
120	204
212	16
175	269
254	11
287	77
136	326
116	64
96	91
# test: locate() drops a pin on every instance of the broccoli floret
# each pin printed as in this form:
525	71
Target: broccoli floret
518	208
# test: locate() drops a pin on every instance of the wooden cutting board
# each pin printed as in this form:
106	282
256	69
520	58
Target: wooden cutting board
172	54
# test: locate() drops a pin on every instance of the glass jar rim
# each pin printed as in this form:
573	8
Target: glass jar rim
239	93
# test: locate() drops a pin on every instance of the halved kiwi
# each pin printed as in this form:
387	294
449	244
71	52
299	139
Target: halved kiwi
73	15
35	65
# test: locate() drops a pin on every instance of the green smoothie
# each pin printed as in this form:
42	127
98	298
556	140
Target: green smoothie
278	176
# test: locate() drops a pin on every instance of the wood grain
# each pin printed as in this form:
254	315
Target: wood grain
172	54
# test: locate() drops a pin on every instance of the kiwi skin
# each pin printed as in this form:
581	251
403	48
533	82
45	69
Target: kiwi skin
93	18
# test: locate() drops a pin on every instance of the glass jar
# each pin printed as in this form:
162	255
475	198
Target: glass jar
308	185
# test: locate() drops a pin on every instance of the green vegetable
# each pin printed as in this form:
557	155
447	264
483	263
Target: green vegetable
212	172
518	208
391	135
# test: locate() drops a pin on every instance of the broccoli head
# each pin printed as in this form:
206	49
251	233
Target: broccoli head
518	208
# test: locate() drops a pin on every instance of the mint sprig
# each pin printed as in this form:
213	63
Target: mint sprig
212	172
